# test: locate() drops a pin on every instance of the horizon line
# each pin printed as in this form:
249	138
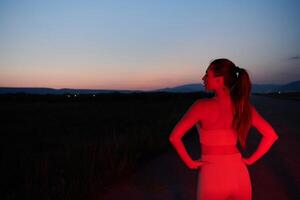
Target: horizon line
163	87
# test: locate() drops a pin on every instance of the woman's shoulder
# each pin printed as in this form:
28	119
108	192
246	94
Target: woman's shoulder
252	108
204	103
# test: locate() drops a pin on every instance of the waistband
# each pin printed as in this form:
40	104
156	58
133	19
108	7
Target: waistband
222	158
219	149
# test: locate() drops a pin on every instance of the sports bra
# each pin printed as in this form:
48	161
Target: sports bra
218	136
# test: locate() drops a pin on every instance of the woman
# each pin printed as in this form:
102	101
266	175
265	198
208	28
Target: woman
221	122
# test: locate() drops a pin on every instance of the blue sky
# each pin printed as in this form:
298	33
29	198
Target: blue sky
144	44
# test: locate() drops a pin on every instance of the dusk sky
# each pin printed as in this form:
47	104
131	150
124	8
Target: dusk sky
126	44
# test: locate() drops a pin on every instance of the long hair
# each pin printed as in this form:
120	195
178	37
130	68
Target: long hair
238	82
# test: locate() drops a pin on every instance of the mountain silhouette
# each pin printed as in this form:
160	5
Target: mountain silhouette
194	87
291	87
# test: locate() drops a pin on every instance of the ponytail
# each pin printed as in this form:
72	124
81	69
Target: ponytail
240	93
238	82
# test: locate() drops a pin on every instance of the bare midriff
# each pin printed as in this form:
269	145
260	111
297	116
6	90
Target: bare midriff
219	149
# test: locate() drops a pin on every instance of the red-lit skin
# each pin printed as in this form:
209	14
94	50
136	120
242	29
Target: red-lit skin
205	111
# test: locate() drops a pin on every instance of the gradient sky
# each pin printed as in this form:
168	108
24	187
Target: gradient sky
126	44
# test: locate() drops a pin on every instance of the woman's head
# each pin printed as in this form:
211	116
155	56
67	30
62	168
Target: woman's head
225	69
221	73
224	73
212	82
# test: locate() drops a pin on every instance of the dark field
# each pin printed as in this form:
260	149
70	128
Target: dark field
60	147
287	96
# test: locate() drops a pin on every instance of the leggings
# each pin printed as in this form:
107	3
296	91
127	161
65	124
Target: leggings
224	177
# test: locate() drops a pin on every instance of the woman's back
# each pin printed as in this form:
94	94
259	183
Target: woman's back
218	115
215	132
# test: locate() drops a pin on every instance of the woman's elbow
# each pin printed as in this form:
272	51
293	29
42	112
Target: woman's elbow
173	139
274	137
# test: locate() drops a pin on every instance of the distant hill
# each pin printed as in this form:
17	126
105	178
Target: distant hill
264	88
196	87
256	88
290	87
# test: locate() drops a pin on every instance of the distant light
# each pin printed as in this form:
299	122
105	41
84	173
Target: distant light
94	95
75	95
68	96
279	92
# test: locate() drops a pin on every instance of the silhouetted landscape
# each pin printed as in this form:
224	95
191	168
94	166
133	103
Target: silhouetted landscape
73	147
55	147
186	88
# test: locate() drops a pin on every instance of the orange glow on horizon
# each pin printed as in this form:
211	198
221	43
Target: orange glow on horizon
93	79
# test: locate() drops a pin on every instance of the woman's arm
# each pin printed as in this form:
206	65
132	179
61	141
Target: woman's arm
189	119
268	133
